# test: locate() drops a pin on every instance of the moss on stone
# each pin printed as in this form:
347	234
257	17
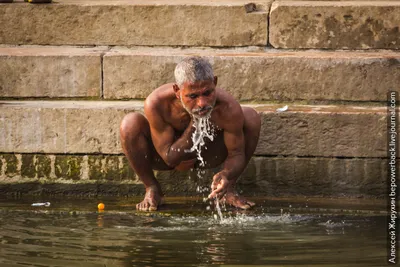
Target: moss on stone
28	166
110	170
127	172
68	167
43	166
11	165
95	169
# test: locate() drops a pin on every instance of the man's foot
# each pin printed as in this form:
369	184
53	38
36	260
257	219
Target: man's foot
152	199
233	198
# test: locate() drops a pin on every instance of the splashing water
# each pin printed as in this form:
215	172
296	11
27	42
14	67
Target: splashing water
218	208
203	129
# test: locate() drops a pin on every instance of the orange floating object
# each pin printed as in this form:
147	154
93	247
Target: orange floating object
100	206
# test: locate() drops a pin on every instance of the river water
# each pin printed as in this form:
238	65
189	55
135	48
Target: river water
71	232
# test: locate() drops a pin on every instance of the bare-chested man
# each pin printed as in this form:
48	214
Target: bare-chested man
160	139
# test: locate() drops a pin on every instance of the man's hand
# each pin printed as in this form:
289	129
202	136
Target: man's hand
219	186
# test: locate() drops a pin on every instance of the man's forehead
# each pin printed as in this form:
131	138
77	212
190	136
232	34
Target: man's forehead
199	85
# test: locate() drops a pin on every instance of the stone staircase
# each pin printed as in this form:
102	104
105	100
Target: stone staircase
70	70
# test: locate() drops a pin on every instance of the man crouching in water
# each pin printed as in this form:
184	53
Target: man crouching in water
160	140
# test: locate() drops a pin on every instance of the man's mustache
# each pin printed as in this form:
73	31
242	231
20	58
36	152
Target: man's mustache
198	110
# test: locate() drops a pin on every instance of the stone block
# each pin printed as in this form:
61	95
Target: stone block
127	22
256	75
62	126
327	131
335	24
91	127
50	72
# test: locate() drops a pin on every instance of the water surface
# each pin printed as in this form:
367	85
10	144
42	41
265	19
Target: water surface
71	232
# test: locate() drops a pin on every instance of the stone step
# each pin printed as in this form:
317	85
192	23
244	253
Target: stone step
335	24
247	73
135	22
92	127
50	71
264	176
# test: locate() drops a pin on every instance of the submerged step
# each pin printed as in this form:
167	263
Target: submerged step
111	175
135	22
335	24
89	127
247	73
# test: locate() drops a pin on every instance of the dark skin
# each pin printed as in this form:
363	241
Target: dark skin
158	141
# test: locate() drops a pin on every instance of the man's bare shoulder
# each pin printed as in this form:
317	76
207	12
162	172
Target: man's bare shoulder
158	100
228	108
226	102
160	94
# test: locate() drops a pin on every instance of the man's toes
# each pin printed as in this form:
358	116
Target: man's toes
152	208
244	206
142	206
251	203
146	206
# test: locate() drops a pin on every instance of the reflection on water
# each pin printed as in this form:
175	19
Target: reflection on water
30	238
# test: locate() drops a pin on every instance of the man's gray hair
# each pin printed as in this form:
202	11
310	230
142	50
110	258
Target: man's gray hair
193	69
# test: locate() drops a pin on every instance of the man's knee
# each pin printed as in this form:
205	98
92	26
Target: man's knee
132	125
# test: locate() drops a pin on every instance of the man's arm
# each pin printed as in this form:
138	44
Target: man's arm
235	143
163	134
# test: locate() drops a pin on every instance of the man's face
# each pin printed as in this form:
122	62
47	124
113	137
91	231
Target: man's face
198	98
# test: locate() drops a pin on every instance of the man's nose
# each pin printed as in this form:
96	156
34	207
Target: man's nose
202	102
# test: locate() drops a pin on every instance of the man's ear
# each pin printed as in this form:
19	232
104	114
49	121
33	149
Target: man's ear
176	90
215	80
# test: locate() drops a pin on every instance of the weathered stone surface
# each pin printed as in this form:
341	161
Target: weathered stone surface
252	75
134	22
264	176
330	131
28	168
50	71
68	167
43	166
62	126
71	168
11	166
335	24
107	167
93	127
315	176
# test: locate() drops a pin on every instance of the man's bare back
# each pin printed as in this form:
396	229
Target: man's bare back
161	139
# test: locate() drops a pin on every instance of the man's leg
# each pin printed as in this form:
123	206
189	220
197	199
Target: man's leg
251	129
142	157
